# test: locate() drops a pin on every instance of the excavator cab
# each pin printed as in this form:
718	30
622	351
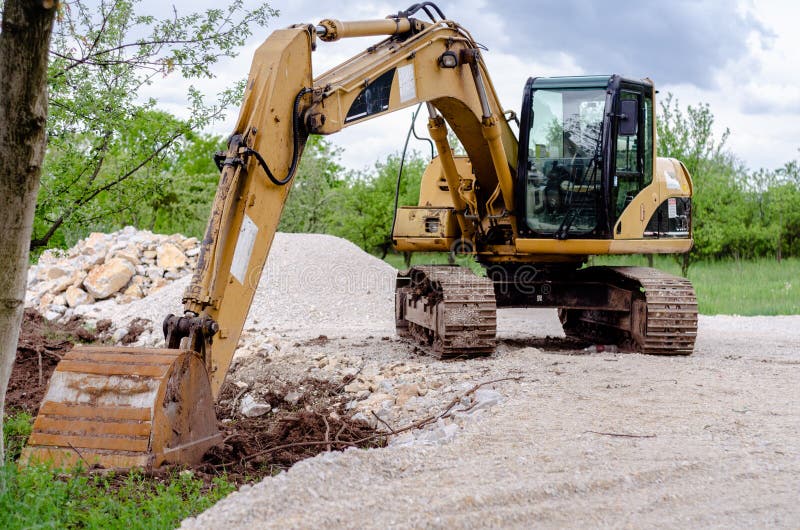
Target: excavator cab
589	154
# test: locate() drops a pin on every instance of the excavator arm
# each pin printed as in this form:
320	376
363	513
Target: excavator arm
282	106
123	407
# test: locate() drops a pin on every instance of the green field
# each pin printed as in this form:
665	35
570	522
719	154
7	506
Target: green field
730	287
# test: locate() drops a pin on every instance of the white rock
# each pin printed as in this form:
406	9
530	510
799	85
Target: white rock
105	280
95	245
157	284
360	416
130	253
266	349
46	299
134	291
51	256
57	271
118	334
378	400
356	386
293	398
441	433
169	256
406	392
60	284
189	242
52	315
155	272
252	408
483	398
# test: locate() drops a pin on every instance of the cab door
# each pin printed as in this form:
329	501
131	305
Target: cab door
633	197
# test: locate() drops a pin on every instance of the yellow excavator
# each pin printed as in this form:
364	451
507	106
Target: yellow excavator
580	179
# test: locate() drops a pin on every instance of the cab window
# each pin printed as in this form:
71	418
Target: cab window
564	171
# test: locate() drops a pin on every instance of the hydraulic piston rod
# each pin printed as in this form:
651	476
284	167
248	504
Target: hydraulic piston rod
331	30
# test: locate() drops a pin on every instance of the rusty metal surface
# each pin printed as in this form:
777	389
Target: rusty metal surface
662	319
448	311
124	407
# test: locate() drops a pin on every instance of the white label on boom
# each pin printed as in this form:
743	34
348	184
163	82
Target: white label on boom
408	85
244	249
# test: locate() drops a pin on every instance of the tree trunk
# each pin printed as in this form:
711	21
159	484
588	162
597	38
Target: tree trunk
24	44
685	262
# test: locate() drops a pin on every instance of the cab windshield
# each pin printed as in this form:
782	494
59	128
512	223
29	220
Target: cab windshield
564	166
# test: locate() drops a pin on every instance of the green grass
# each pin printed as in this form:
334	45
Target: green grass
729	287
734	287
431	258
38	497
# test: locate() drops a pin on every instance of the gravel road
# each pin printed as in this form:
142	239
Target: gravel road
600	439
556	437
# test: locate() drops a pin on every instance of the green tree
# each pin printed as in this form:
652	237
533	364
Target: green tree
718	203
188	185
107	146
367	207
320	179
776	195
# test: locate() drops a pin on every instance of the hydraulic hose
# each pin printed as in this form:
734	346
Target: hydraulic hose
402	163
298	130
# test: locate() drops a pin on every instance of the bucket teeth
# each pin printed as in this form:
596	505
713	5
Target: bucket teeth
125	407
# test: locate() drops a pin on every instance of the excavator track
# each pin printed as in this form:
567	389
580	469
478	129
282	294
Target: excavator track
662	318
446	310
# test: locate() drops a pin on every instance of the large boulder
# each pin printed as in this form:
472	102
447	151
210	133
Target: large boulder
130	253
76	296
170	257
108	278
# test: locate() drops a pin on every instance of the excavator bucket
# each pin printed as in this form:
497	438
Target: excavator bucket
125	407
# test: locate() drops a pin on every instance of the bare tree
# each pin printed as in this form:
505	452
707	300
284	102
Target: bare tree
27	26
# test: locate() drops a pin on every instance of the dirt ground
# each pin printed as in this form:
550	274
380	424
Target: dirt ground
579	439
41	345
253	448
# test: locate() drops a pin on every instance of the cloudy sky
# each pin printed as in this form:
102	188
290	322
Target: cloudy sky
741	57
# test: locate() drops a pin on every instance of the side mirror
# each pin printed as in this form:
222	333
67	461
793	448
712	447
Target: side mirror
628	117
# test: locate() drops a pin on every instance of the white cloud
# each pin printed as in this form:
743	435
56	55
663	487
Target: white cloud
751	80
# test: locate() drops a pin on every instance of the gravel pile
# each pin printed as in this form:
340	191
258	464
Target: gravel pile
323	310
312	284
